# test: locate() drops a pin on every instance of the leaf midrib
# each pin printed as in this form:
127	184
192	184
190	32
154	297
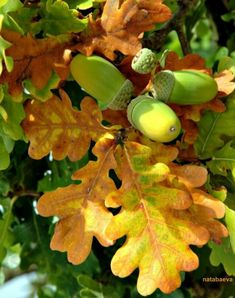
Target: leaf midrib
210	133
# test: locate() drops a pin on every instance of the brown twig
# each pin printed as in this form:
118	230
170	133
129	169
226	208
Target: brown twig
156	40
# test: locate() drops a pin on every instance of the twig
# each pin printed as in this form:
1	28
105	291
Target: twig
156	40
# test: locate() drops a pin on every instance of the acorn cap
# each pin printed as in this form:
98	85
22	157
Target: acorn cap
163	85
153	118
184	87
144	61
102	80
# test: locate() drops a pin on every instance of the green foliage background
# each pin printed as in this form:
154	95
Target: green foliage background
25	236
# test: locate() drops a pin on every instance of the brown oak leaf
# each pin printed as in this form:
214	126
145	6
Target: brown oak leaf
224	81
120	27
190	61
34	59
80	208
56	126
116	117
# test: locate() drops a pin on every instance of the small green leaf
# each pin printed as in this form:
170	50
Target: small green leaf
8	61
45	93
4	156
82	4
58	18
230	222
4	186
229	16
223	254
221	53
223	160
59	174
227	63
6	236
8	21
176	294
94	289
214	128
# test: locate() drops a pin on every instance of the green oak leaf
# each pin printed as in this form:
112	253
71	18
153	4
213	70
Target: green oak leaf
5	11
4	44
215	129
80	4
59	174
4	186
4	155
10	126
230	223
45	93
223	160
57	18
11	115
223	254
6	236
25	17
229	16
94	289
226	63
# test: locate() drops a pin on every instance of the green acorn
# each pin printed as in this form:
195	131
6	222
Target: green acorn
102	80
153	118
144	61
184	87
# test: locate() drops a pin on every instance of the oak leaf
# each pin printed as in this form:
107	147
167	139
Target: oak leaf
190	61
80	208
205	207
159	151
159	218
224	81
116	117
34	59
120	27
56	126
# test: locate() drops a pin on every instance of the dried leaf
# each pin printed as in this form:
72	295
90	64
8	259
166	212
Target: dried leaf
116	117
160	218
121	25
224	81
81	207
34	59
56	126
190	61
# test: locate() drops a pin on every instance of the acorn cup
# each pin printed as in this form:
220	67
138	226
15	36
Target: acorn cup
144	61
184	87
153	118
102	80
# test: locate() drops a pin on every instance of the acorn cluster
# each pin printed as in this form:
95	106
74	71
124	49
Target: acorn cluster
150	112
